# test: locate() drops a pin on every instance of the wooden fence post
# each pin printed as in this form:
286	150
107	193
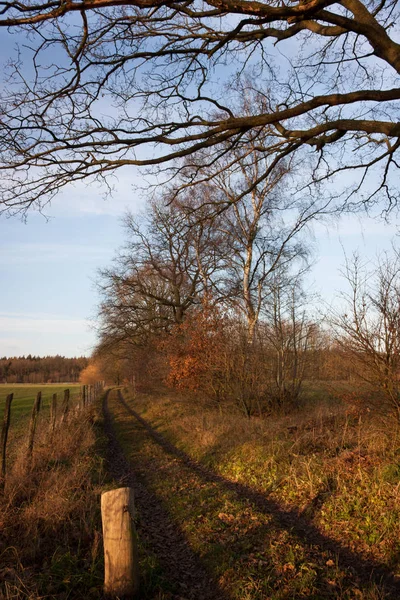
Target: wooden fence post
32	427
120	545
53	412
65	408
83	396
4	436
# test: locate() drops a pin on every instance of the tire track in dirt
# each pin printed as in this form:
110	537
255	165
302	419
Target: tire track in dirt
363	569
182	567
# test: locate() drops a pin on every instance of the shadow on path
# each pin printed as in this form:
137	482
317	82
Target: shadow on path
182	567
365	569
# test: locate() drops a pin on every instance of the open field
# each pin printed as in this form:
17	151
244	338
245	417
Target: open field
21	409
24	395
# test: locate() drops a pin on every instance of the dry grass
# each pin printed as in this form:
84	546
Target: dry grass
329	468
332	460
49	516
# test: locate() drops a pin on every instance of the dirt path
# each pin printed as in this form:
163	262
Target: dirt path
183	565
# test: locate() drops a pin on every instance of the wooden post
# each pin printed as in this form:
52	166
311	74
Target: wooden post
32	427
121	577
83	396
65	408
4	436
53	412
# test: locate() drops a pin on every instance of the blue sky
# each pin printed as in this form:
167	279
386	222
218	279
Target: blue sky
353	233
48	266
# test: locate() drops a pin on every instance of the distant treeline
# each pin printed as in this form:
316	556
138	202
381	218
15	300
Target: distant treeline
36	369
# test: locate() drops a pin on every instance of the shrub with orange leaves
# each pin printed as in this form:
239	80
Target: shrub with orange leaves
91	374
194	351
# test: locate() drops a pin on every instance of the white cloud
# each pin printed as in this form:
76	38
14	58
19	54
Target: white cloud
42	334
44	345
11	347
85	198
28	253
25	323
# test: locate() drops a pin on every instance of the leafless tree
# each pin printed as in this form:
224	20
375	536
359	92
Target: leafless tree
369	329
262	230
127	317
164	269
110	77
289	335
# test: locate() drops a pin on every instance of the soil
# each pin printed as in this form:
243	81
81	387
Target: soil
181	566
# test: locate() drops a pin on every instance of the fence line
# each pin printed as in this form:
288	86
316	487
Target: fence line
4	437
53	413
32	428
87	395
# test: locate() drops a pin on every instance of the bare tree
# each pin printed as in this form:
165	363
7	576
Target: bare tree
109	77
125	315
370	325
262	230
163	270
288	335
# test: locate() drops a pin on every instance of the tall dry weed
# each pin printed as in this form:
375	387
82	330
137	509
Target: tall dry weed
49	515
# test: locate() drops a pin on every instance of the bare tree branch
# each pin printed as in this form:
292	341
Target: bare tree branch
118	83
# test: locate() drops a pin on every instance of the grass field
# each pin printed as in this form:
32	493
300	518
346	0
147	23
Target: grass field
21	409
25	394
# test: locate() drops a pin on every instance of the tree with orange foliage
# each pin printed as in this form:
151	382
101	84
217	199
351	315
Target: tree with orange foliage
92	374
194	350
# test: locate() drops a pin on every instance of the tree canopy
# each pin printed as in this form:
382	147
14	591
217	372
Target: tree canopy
117	83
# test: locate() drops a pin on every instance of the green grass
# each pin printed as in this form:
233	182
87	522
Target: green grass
340	470
21	409
25	394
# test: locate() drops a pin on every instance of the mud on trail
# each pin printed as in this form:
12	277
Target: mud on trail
204	537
